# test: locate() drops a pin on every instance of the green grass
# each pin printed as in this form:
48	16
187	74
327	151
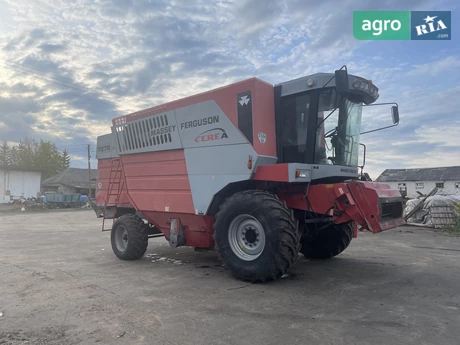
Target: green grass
454	228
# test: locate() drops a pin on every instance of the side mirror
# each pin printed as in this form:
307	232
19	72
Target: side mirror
395	114
364	159
341	82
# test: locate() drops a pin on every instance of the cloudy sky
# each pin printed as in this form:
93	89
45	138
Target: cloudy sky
68	67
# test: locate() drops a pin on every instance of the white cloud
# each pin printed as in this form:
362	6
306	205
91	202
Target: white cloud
442	65
443	136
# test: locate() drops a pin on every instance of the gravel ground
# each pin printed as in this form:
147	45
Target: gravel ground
61	284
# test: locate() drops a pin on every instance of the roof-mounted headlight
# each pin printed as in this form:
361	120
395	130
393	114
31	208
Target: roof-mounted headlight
373	91
361	85
365	86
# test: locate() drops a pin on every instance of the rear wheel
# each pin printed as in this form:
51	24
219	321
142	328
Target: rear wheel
256	236
328	242
129	237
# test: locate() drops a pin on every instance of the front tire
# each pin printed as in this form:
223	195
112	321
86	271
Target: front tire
256	236
129	237
328	242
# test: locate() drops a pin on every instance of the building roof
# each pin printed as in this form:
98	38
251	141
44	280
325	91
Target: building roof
424	174
73	177
20	168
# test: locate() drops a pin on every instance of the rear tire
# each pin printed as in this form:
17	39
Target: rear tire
328	242
256	236
129	237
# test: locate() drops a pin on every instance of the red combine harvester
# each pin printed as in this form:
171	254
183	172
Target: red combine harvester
256	171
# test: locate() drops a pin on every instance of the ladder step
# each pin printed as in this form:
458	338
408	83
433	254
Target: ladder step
116	184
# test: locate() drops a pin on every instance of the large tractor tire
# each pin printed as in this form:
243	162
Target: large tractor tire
256	236
328	242
129	237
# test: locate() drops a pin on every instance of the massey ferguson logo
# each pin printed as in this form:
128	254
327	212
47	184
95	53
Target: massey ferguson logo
212	134
244	100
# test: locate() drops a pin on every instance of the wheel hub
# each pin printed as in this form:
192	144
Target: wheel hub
246	237
250	236
121	238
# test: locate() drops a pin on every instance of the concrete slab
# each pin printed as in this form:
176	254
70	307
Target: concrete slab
60	283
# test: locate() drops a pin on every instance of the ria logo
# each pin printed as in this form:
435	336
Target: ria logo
211	135
423	30
433	25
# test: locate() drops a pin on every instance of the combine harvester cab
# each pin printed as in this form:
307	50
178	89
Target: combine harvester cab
257	171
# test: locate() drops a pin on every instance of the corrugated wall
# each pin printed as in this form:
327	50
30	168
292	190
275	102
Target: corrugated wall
20	184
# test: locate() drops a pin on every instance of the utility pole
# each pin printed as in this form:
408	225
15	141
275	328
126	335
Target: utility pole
89	171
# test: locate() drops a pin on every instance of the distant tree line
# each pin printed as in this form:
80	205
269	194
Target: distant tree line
30	153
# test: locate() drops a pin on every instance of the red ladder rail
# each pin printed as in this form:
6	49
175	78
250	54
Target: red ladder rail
115	177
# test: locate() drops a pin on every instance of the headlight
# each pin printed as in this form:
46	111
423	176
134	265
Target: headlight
367	87
373	91
361	84
301	173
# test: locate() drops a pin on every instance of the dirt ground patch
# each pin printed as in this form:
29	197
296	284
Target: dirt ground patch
61	284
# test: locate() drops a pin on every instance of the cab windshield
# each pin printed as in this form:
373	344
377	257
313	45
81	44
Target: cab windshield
337	137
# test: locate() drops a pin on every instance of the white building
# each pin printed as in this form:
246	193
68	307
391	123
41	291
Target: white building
17	182
446	179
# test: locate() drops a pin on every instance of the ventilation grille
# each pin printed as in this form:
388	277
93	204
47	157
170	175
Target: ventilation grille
143	133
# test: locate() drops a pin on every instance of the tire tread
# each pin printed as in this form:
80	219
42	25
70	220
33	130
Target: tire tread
138	237
326	246
284	221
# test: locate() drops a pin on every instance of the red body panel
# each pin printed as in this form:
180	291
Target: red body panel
154	181
197	229
272	172
103	176
322	199
370	196
356	201
158	181
158	186
264	118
